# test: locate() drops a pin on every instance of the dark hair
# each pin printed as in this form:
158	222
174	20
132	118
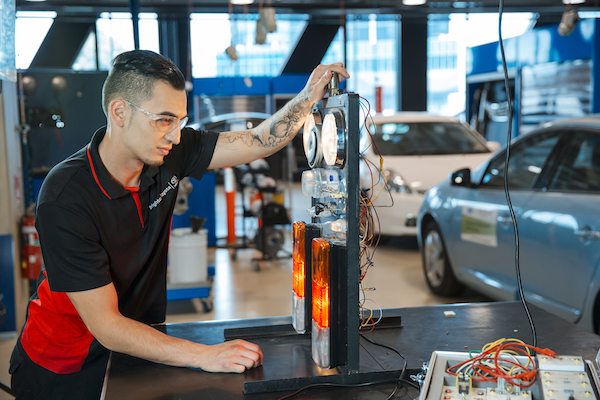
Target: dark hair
134	74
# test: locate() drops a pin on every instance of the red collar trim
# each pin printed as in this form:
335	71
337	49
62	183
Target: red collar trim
94	172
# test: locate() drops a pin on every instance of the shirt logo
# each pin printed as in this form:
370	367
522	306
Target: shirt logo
170	186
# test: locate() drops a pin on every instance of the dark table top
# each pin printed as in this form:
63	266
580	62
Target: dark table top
424	330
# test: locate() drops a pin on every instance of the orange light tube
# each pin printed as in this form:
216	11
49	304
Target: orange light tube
320	282
299	254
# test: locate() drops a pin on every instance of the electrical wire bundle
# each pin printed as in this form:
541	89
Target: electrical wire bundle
498	360
368	221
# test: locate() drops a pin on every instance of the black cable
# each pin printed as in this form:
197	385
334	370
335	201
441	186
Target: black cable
337	385
506	191
398	380
7	389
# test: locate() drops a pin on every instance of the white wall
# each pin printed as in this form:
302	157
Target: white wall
11	187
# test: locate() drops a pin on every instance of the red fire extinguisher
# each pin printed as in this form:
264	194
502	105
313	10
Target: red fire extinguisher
31	262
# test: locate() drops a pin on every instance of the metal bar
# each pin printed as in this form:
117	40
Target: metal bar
134	6
352	216
259	332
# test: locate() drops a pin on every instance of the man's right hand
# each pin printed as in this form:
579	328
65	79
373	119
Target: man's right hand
233	356
100	312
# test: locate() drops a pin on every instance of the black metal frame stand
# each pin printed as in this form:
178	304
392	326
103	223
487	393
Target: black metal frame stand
349	373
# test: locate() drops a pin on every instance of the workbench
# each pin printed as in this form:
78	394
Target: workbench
288	355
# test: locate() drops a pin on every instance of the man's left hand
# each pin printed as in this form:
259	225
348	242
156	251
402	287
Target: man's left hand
316	87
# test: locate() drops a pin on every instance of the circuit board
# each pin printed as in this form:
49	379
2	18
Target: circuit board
562	377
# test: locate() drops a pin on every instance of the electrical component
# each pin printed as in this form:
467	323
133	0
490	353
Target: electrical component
311	137
328	261
339	225
499	373
309	125
566	385
561	363
333	139
329	130
318	182
302	277
564	378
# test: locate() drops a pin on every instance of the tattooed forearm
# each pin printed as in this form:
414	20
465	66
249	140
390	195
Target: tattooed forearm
289	121
248	138
283	127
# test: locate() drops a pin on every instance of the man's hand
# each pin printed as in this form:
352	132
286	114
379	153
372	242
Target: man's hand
316	86
234	356
100	312
241	147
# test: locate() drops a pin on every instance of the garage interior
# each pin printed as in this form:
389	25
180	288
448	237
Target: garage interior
244	282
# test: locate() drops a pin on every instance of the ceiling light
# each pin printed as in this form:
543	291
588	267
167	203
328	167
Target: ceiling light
568	22
413	2
241	2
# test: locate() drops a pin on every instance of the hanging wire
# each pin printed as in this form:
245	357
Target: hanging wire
506	190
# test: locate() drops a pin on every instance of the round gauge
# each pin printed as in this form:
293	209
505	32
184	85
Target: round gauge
314	153
333	140
309	124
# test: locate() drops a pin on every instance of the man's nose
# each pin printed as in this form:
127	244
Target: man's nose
174	136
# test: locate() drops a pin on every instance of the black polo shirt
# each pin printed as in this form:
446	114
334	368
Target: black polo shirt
93	231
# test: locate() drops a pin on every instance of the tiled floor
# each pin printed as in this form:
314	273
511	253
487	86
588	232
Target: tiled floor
241	292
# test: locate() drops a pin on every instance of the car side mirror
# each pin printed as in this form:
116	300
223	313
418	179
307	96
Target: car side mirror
462	177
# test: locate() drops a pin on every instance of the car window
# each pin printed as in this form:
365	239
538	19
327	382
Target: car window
578	168
425	138
527	158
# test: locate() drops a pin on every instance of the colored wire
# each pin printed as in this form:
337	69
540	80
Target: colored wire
498	360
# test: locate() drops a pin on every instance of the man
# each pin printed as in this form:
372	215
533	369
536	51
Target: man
103	217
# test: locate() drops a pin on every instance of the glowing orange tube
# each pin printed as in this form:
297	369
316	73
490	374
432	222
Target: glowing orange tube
299	254
320	282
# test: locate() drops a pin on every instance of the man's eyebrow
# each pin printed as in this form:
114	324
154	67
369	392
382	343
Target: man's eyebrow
168	114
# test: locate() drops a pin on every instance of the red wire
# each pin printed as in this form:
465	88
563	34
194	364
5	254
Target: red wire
479	369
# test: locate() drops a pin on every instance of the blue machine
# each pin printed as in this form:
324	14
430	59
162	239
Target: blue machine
551	76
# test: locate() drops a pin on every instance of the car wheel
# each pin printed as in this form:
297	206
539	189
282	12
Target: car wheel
438	272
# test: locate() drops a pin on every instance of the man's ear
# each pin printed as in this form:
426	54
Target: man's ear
118	112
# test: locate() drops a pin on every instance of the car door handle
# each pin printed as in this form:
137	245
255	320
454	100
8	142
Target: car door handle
586	233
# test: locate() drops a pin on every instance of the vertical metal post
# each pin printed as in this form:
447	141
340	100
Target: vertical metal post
352	215
134	6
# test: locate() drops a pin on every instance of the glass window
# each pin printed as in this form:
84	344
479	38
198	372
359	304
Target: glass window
372	56
579	166
209	58
449	35
527	158
31	28
425	138
115	35
86	59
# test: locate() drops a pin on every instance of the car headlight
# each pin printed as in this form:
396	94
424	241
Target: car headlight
395	182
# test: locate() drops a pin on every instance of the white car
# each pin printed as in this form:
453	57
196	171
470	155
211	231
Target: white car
419	150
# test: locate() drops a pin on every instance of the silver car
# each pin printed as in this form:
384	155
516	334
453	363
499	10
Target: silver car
467	236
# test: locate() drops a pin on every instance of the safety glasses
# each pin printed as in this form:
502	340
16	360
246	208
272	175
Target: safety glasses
164	123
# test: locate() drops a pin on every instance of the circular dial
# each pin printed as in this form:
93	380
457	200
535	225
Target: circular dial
333	140
309	124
